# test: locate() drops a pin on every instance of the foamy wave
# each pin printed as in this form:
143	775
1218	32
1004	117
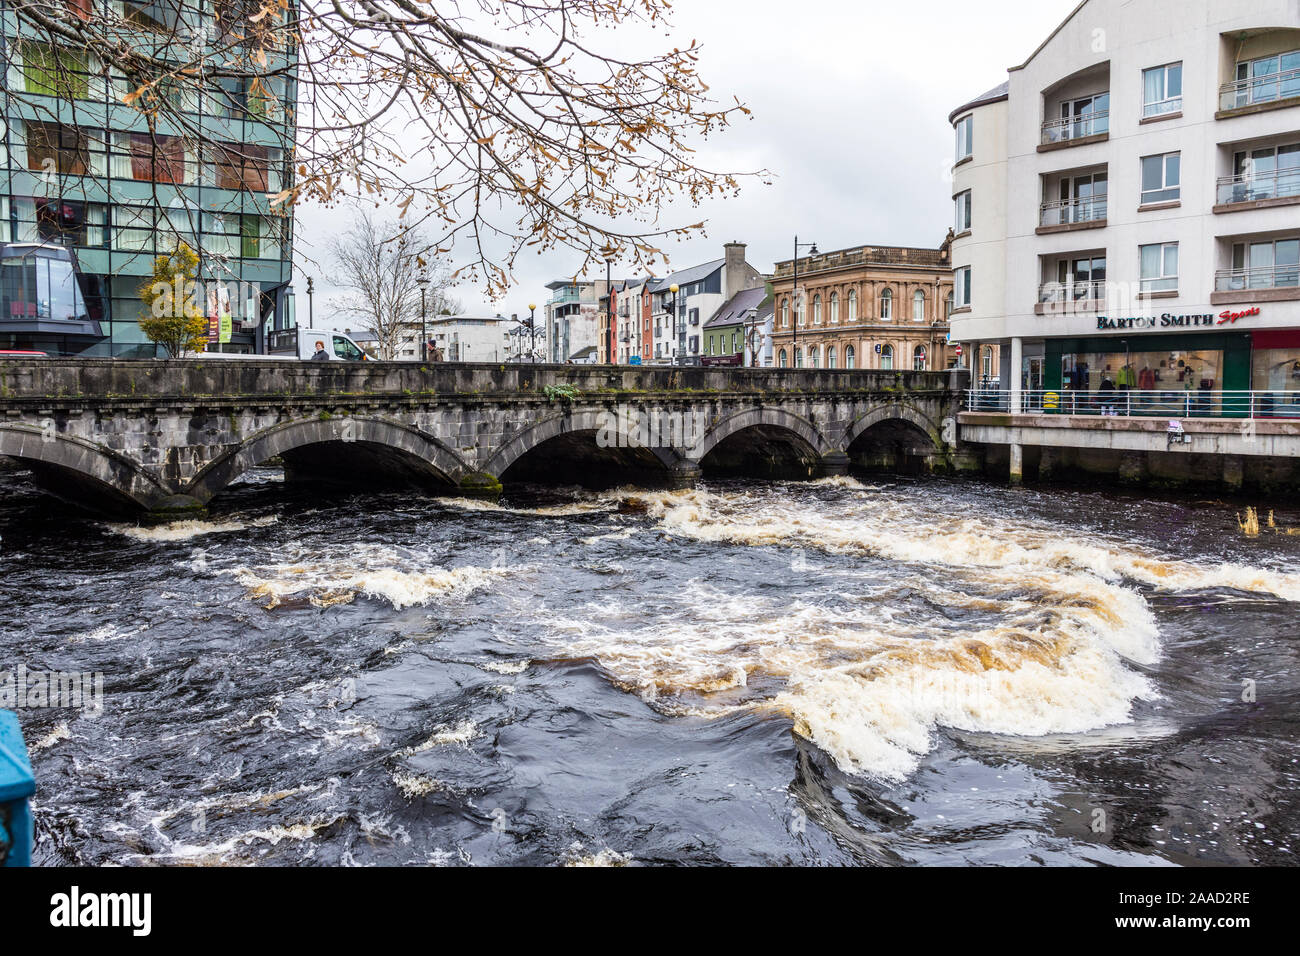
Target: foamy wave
185	530
330	583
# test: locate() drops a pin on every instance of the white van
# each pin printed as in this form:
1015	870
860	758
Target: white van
309	343
297	344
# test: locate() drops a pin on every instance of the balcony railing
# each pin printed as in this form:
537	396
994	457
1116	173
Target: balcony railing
1251	187
1260	89
1177	403
1055	293
1173	104
1067	212
1076	127
1269	277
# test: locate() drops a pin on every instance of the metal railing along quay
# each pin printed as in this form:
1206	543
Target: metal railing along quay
1176	403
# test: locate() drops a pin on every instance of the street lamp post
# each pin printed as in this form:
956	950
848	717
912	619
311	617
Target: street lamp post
532	331
311	314
423	283
812	251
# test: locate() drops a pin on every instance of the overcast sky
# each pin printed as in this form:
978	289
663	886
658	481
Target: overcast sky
850	103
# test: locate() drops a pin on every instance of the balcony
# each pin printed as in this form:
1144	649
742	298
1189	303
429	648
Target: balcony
1267	91
1277	283
1076	130
1274	187
1064	214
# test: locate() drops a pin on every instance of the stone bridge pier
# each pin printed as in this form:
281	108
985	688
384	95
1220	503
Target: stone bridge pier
166	437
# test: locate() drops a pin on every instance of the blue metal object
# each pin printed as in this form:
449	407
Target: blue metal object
16	787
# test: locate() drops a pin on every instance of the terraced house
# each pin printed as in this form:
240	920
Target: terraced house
96	179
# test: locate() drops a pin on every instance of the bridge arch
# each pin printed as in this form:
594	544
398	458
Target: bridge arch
766	441
567	431
894	412
410	452
81	471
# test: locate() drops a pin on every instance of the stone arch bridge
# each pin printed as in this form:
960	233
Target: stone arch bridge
166	437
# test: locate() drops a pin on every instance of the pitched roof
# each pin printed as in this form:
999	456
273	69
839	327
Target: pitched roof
735	309
687	276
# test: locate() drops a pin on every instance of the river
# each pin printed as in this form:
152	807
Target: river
876	671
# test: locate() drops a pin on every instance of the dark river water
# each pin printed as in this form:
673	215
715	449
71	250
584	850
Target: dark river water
881	672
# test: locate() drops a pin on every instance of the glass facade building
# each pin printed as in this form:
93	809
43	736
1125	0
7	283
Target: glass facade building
84	169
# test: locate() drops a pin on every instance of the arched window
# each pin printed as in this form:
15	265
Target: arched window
800	313
830	356
817	310
849	354
835	308
918	306
798	358
813	356
887	304
887	357
918	358
947	307
783	359
785	313
853	305
986	364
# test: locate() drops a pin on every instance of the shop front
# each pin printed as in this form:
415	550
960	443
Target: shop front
1275	373
1179	375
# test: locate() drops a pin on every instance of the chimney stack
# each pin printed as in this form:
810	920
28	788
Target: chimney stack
735	274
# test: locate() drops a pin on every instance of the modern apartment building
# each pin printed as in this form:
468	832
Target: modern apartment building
876	307
1127	209
573	321
88	177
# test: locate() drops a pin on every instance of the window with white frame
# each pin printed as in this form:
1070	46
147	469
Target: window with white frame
961	287
918	306
785	313
1268	264
830	356
1162	90
918	359
1161	178
965	137
850	356
963	210
817	310
887	357
835	308
1160	267
853	305
887	304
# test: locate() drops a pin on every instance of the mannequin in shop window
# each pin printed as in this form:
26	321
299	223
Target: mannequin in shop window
1147	379
1106	394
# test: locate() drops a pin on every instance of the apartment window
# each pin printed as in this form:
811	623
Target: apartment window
1267	173
918	306
853	305
1086	116
246	166
151	158
1266	265
961	287
1078	280
965	137
1161	178
66	150
887	304
56	71
133	227
850	356
835	308
963	204
1082	198
817	310
1162	90
887	357
1160	267
785	313
918	359
830	356
1267	79
69	223
947	306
